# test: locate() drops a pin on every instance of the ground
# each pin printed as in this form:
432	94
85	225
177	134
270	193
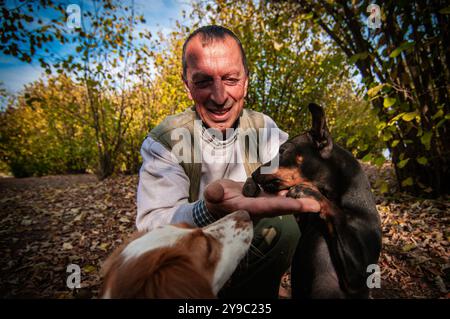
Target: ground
48	223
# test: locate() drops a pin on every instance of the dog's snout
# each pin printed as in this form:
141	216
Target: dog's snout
236	226
241	215
241	219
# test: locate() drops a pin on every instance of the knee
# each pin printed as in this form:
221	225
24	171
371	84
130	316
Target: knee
279	234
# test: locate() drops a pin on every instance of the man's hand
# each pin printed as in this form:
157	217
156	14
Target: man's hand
225	196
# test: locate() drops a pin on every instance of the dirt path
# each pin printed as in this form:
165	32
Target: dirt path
50	222
54	181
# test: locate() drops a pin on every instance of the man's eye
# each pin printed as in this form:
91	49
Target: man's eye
232	80
202	83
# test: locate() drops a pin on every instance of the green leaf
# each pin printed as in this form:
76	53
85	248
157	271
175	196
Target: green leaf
379	161
350	141
445	10
426	139
404	46
384	188
395	143
358	56
407	182
438	114
439	124
367	158
308	16
407	117
403	163
422	160
389	101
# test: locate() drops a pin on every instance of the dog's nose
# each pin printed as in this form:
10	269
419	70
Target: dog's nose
240	216
230	223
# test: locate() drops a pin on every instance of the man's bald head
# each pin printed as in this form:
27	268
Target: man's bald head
209	34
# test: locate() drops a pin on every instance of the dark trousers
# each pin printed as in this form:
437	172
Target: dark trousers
259	273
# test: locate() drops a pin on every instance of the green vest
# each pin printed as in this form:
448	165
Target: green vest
163	132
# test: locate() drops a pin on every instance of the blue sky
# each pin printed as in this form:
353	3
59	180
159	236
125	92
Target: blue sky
159	15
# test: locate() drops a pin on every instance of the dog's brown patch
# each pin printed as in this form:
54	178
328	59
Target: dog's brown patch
184	270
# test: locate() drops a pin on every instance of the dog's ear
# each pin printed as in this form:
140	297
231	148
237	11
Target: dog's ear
176	277
319	133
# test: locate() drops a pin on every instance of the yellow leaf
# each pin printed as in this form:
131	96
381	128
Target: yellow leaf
389	101
374	91
124	220
89	268
67	246
408	247
407	182
277	45
409	116
103	246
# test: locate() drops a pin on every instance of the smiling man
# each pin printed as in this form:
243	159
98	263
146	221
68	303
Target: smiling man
198	192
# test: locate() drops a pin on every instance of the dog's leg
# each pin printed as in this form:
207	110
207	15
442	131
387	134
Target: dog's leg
313	273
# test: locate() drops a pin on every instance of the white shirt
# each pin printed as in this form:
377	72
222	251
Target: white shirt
163	190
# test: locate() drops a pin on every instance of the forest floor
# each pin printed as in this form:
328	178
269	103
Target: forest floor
50	222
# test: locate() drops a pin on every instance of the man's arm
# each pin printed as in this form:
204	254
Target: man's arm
163	190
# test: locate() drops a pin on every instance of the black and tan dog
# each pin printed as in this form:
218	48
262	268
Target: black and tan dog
337	245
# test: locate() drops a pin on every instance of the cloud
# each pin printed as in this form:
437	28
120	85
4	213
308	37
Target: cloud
15	76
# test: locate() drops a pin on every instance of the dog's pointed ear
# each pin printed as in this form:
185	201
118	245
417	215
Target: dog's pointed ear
319	133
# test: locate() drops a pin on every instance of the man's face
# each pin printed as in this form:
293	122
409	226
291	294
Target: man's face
216	81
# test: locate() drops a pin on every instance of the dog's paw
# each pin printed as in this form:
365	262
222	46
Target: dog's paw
327	208
304	191
251	188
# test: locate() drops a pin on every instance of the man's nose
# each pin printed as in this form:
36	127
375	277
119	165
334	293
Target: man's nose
219	94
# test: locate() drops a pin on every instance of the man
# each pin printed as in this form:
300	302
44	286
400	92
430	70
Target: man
199	192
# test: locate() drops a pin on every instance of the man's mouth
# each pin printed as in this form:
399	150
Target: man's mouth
219	115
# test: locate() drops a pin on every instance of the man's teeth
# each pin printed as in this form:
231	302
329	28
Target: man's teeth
220	112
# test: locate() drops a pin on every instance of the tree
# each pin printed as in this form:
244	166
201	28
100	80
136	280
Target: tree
292	62
40	136
106	60
404	66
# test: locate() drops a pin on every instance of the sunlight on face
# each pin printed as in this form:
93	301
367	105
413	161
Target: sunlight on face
216	81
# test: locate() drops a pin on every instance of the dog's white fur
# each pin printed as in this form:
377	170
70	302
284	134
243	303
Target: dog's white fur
227	242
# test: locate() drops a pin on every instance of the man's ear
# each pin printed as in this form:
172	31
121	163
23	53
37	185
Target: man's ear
186	87
245	86
319	133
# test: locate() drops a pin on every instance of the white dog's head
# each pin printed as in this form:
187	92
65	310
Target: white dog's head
175	261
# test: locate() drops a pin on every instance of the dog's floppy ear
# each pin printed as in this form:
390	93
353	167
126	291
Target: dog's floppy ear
319	132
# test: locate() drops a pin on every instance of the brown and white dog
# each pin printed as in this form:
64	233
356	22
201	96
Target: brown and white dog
175	261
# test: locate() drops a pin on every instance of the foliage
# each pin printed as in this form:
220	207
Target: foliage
353	123
125	82
293	63
404	66
76	219
43	132
106	60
